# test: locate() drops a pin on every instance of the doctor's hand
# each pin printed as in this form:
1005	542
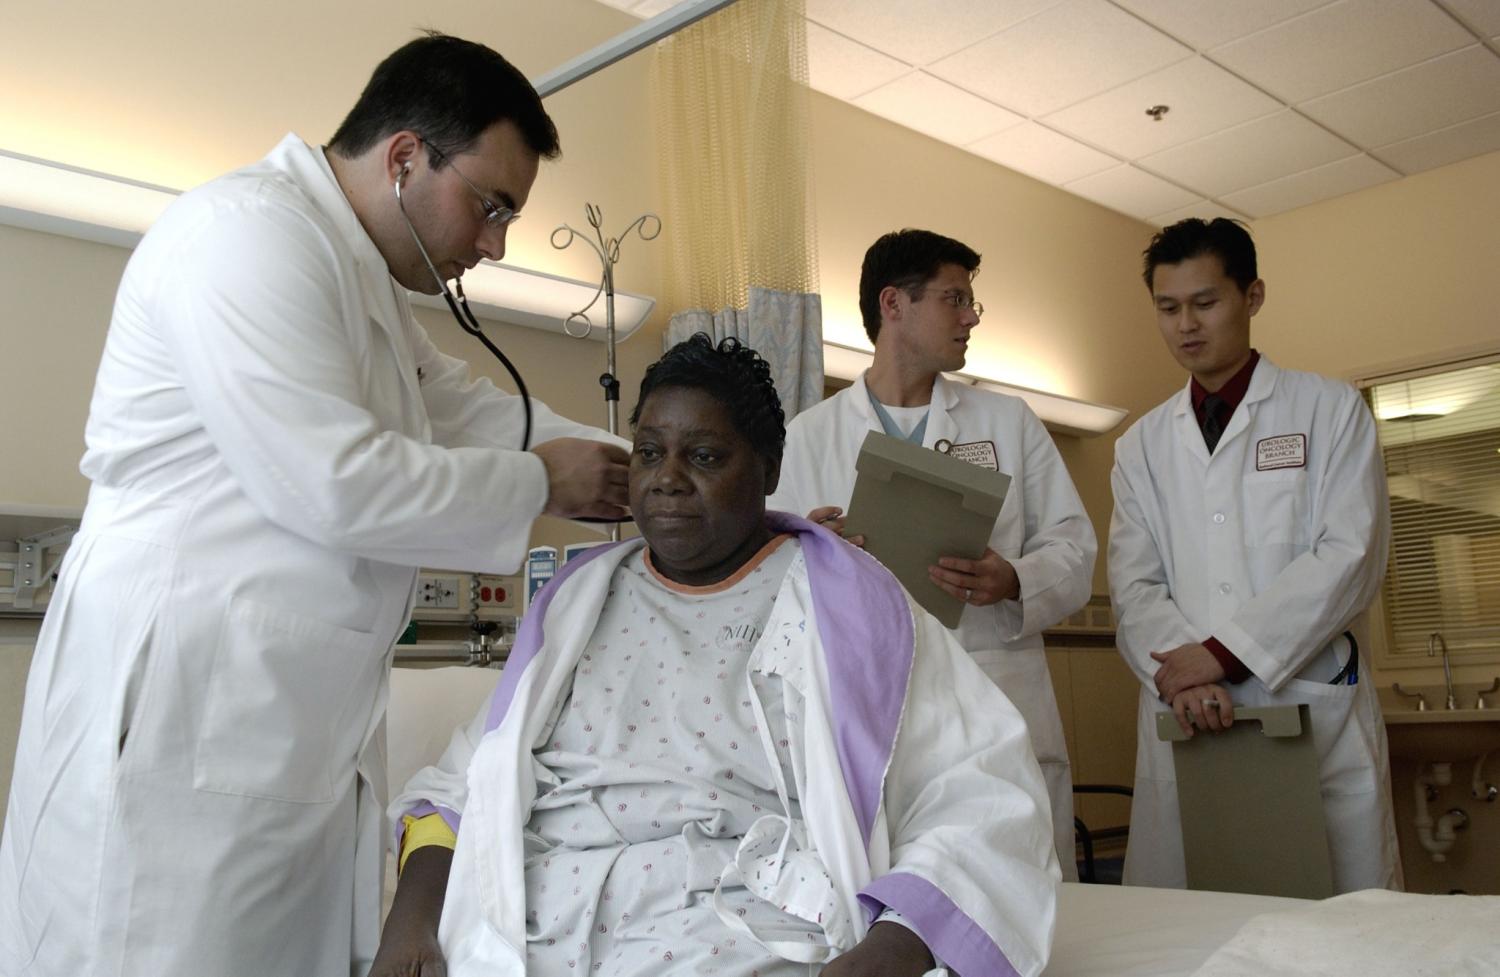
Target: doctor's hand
1207	706
585	479
832	517
1184	667
989	579
888	950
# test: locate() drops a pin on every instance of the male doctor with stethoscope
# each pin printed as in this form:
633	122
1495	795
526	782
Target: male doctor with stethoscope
275	445
1249	536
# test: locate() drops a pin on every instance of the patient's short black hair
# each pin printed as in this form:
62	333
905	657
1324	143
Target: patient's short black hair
734	375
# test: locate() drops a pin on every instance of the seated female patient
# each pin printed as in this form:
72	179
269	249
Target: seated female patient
731	747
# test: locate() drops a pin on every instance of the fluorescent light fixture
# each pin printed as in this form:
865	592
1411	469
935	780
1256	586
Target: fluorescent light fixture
1061	414
542	301
1428	397
41	195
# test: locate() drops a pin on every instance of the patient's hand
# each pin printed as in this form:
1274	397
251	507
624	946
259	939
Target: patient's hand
888	950
408	955
409	944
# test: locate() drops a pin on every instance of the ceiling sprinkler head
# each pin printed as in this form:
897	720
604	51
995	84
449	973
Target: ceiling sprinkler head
1157	111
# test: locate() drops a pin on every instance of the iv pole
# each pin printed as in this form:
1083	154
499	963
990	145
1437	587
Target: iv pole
647	227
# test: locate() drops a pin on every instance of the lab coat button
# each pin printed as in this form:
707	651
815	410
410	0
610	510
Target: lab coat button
1219	518
1224	588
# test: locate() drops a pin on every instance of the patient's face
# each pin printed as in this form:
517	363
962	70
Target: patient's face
697	487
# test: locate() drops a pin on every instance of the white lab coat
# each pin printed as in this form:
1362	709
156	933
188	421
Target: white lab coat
274	445
916	783
1277	560
1042	530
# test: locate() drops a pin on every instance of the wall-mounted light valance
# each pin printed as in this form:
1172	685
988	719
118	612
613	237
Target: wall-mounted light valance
42	195
1061	414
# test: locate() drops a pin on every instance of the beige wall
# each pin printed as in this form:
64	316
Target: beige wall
1399	272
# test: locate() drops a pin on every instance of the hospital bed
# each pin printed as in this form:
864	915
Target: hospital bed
1107	930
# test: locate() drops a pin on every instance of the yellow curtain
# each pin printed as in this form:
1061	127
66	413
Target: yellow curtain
731	99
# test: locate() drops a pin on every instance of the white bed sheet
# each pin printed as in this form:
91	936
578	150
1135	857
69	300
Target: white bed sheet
1134	931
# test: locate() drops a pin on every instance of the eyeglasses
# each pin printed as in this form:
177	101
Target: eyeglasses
496	215
955	298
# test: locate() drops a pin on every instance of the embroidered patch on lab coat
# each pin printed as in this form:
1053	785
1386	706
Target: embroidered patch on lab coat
1282	451
981	453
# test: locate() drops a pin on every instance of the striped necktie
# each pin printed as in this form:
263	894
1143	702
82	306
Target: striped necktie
1213	423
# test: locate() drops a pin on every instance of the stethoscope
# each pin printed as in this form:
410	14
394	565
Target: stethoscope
461	312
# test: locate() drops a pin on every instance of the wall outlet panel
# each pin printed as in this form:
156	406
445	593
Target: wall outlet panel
450	597
441	592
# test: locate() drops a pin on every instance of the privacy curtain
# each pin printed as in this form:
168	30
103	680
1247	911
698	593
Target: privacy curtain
731	101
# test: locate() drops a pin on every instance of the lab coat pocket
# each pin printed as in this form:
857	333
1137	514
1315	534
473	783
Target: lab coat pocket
274	723
1345	763
1275	512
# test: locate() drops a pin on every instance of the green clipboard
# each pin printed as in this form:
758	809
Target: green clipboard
914	505
1251	807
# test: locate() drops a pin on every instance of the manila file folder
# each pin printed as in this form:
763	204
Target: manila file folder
914	505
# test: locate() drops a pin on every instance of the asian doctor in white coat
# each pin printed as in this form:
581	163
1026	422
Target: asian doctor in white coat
1249	536
917	300
274	445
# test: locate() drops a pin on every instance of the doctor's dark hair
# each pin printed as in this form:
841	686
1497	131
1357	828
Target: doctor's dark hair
734	375
1227	239
449	91
906	259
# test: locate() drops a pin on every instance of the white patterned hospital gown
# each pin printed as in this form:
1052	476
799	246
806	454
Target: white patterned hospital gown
653	773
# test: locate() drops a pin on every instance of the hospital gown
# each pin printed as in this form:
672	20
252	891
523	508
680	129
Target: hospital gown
866	763
623	856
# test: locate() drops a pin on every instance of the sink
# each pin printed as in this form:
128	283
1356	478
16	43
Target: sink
1434	736
1439	734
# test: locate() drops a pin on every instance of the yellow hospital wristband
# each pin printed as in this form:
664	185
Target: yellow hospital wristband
423	832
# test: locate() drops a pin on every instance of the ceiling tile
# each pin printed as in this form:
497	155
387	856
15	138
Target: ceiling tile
1061	56
1202	98
1311	186
1467	139
1131	191
920	32
846	69
1041	153
1438	93
619	4
1251	154
650	8
1202	209
1206	25
926	104
1340	45
1480	15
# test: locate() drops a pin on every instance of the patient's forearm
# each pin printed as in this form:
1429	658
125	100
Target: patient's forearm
888	950
408	945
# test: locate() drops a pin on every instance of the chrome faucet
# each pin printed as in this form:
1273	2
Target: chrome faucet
1436	638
